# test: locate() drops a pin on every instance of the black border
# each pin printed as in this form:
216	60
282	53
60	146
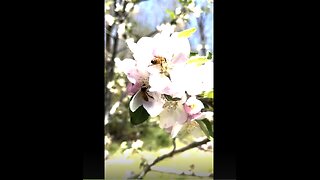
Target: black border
226	85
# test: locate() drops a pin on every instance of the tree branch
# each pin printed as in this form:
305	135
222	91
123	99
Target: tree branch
184	173
170	154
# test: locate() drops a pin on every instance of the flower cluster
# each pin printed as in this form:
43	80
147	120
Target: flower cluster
164	81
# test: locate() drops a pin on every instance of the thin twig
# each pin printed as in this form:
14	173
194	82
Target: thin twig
173	152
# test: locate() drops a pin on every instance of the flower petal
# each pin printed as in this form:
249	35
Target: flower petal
136	101
175	130
169	117
154	106
159	83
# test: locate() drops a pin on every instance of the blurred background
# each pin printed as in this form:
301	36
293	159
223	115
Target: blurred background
127	147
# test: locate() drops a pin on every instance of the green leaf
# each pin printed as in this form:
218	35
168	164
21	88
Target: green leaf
171	14
206	127
193	54
198	60
138	1
186	33
209	56
139	116
208	94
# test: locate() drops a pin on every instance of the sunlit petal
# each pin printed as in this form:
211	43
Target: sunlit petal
136	101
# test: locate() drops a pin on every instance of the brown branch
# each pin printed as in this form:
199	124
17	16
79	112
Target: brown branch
183	173
170	154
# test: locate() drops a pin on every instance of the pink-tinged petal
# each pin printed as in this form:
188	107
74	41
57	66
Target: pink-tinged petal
133	76
158	83
193	105
187	108
179	81
125	65
195	78
204	115
154	69
133	88
137	75
196	116
166	121
136	101
132	45
143	53
180	115
154	105
182	48
180	58
169	117
176	129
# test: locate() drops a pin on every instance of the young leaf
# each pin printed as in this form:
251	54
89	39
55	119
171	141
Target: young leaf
198	60
186	33
206	127
171	14
208	94
193	54
209	56
139	116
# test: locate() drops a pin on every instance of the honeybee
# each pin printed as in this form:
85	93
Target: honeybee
158	60
163	64
144	93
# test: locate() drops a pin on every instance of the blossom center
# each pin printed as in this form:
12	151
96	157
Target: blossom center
170	105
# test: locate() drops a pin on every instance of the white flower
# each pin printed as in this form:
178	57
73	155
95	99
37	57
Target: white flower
178	10
200	78
129	6
121	30
138	76
154	59
166	28
173	117
106	154
207	71
137	144
205	115
124	145
193	128
109	19
119	7
136	9
193	106
173	49
153	106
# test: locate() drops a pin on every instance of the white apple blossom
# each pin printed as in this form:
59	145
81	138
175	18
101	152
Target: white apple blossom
179	114
153	106
193	106
166	28
159	69
173	117
129	7
173	49
138	76
137	144
109	19
121	30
